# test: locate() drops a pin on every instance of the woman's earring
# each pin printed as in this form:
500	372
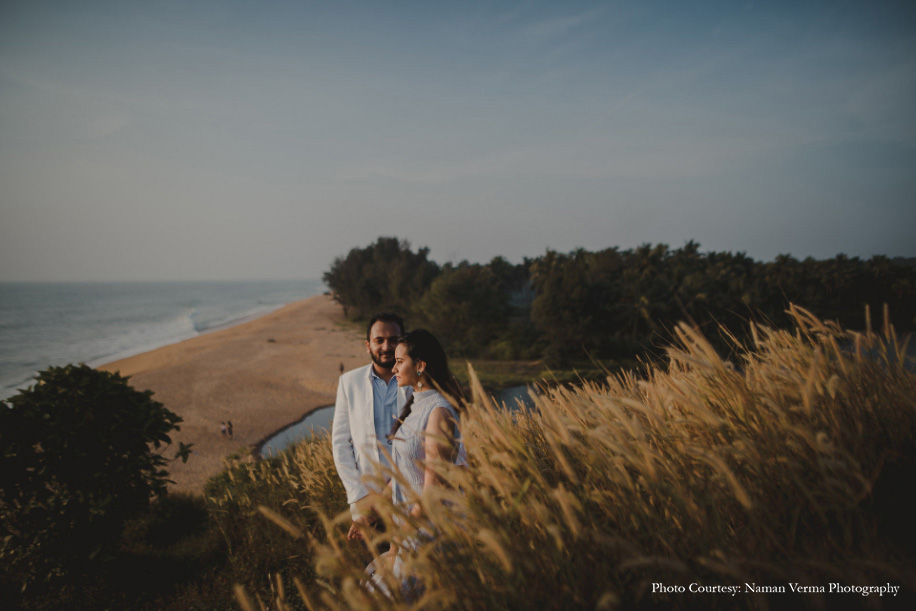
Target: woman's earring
419	384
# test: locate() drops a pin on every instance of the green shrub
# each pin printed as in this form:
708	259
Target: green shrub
81	451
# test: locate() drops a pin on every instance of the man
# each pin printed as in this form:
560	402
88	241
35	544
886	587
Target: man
368	402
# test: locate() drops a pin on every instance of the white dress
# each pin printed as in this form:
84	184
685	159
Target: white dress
408	448
408	453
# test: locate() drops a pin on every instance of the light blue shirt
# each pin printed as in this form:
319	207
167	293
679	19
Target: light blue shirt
385	411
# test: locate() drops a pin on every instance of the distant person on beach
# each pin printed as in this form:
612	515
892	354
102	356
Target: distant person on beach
426	430
368	401
229	429
222	429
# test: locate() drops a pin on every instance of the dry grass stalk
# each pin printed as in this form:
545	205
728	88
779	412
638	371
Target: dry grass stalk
754	470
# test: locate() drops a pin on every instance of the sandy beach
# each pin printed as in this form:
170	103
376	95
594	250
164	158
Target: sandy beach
262	375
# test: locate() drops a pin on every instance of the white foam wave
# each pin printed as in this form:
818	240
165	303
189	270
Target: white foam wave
239	318
145	337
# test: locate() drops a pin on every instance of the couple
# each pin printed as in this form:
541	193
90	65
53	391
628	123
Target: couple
392	407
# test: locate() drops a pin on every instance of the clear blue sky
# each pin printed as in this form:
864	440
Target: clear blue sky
238	140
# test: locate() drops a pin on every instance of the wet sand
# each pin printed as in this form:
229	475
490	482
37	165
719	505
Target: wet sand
262	375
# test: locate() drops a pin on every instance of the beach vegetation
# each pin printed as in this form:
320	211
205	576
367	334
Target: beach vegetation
81	452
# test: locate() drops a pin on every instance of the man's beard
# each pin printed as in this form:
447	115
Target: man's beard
377	359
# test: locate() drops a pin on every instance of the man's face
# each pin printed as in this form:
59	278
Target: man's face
383	338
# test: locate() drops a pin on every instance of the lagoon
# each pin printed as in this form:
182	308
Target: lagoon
318	422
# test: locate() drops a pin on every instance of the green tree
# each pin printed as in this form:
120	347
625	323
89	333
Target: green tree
80	452
612	302
466	306
578	306
386	275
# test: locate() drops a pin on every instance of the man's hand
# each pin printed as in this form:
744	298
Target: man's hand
359	525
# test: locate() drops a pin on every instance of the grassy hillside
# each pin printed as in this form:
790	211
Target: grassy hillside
767	470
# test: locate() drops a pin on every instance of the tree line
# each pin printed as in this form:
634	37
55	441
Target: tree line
612	302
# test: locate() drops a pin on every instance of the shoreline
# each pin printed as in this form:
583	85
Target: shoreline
51	324
102	362
264	375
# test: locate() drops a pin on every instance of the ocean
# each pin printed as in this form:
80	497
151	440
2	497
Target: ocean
45	324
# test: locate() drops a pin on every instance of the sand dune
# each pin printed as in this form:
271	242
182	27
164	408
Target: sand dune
261	375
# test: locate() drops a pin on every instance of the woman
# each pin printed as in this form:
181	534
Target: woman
427	429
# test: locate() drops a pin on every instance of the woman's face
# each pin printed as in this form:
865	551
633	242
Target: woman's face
405	368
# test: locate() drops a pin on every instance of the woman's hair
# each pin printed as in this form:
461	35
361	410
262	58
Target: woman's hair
423	346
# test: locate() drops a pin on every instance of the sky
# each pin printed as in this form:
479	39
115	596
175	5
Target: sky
220	140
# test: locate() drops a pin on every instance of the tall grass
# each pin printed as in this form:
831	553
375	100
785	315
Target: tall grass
301	483
755	471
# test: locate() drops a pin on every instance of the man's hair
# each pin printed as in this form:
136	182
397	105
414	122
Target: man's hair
385	317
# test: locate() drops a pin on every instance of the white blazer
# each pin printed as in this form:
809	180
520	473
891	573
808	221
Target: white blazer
353	434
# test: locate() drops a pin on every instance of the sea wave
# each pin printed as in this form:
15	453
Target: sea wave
236	319
144	338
